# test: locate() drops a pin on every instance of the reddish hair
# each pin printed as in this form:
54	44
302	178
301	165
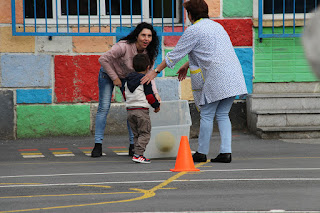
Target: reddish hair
197	9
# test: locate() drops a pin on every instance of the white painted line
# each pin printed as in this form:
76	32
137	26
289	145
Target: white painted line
73	184
64	155
255	179
267	169
237	212
160	181
122	153
89	154
166	171
83	174
283	211
33	156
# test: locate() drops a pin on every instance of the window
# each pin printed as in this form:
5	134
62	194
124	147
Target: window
82	6
40	9
100	11
272	11
300	6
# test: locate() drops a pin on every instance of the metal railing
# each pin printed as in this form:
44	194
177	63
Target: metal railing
283	18
98	17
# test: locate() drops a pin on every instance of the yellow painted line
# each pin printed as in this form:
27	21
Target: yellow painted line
120	150
65	195
60	153
30	153
146	194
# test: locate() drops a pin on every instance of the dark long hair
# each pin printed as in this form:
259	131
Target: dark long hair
153	47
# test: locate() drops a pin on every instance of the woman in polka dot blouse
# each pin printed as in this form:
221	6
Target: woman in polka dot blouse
216	76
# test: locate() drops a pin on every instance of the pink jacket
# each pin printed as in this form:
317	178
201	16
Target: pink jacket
117	62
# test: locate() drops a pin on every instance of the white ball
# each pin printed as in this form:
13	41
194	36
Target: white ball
165	141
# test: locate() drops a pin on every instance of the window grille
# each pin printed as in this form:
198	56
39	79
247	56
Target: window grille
66	17
284	18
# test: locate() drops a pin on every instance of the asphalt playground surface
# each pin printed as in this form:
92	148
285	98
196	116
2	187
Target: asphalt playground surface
57	175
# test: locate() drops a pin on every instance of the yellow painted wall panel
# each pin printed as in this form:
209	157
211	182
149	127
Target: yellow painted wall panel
91	44
186	91
16	44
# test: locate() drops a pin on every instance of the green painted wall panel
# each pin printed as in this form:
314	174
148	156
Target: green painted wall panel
283	77
236	8
263	63
118	97
259	57
278	63
35	121
173	72
267	77
281	59
281	70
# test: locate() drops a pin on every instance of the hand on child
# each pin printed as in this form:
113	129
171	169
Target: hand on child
182	72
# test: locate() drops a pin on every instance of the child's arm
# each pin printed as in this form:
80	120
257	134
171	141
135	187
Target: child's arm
151	98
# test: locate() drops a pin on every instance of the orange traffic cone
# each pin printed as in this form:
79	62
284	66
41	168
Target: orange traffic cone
184	161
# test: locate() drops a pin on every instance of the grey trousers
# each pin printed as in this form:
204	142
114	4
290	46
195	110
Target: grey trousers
139	121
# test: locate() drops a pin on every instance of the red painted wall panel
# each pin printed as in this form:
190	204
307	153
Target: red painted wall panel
239	30
76	78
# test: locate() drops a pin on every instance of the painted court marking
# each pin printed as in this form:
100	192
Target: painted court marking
165	171
65	152
31	153
145	193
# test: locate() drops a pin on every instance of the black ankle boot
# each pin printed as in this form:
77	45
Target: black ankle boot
222	158
199	157
131	147
97	150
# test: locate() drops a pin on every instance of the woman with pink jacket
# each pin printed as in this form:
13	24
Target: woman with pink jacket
116	64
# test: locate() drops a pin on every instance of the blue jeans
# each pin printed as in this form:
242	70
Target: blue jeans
105	95
219	109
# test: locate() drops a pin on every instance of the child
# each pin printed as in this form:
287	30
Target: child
138	98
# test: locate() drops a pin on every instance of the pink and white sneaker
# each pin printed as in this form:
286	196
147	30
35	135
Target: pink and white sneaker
140	159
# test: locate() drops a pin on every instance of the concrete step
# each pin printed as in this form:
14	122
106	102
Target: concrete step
289	128
283	101
284	115
282	87
292	134
279	120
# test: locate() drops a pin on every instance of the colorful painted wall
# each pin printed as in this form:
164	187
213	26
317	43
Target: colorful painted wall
49	87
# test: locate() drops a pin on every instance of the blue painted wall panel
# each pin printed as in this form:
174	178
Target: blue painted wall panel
26	70
34	96
245	57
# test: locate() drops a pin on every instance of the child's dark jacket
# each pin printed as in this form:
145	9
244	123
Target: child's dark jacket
138	95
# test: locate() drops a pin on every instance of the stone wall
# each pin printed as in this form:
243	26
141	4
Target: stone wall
48	87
